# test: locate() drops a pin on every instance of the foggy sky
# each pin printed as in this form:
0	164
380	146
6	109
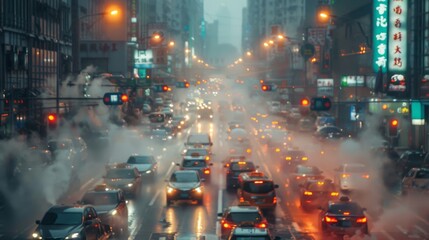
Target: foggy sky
212	11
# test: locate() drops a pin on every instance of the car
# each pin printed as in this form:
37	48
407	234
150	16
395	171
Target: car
343	217
124	177
233	125
73	149
352	176
235	215
200	165
329	133
197	153
416	181
274	107
322	121
316	193
409	159
71	222
145	164
257	189
301	173
160	135
110	206
185	185
239	143
199	140
205	113
292	157
305	125
234	168
244	232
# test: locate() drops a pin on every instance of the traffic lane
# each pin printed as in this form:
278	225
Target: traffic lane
181	216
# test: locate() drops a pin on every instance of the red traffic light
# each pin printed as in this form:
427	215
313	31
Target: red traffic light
164	88
187	84
305	102
124	98
52	117
393	127
266	87
394	122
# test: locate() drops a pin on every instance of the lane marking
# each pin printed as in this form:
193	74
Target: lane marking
402	203
169	170
388	236
154	197
400	228
267	171
219	204
421	230
87	183
296	226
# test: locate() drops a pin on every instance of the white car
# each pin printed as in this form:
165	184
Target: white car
352	176
416	180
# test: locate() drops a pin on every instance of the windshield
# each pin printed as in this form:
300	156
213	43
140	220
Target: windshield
100	198
121	173
340	208
242	167
196	152
194	163
62	218
140	160
259	187
306	170
239	217
422	175
184	177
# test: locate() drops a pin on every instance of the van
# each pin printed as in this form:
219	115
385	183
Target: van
257	189
199	140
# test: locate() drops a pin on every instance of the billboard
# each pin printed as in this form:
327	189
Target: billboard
380	27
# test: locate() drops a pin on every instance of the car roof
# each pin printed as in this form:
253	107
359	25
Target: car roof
186	171
67	208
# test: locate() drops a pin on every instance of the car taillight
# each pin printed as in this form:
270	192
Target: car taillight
261	225
207	158
274	200
345	175
207	171
227	225
288	158
334	194
228	172
241	199
361	220
330	219
308	193
365	176
298	177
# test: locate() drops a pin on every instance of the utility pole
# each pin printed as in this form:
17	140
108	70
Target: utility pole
75	31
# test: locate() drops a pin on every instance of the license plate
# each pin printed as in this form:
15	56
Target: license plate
346	224
184	195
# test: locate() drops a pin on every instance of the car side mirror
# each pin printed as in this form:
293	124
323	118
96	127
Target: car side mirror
37	222
276	186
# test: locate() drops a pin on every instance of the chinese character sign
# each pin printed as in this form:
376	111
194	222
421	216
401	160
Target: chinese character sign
380	27
397	36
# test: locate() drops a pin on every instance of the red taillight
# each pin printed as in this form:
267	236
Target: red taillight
262	225
308	193
274	200
365	176
361	220
330	219
241	199
207	171
227	225
345	175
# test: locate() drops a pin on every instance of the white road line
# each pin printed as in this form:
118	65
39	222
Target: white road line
421	230
387	235
169	170
87	183
411	211
400	228
296	226
154	197
267	170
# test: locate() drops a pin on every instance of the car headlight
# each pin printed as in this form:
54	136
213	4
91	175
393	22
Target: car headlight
36	235
169	137
73	236
198	190
129	184
148	171
170	190
113	212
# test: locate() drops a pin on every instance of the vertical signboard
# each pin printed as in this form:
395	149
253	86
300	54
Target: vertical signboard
325	87
380	23
397	35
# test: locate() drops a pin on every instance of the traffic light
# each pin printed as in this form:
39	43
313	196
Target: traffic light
148	73
52	120
161	88
320	104
305	102
115	98
393	127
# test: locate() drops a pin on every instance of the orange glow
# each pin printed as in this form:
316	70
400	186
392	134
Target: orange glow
365	176
124	98
207	171
165	88
334	194
207	158
288	158
277	149
241	199
305	102
249	150
330	219
227	225
394	122
308	193
171	44
274	200
261	81
384	107
262	225
361	220
241	163
258	182
346	213
304	158
345	175
52	117
264	87
187	84
114	12
324	15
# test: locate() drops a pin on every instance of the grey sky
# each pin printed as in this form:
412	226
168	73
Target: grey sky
212	11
